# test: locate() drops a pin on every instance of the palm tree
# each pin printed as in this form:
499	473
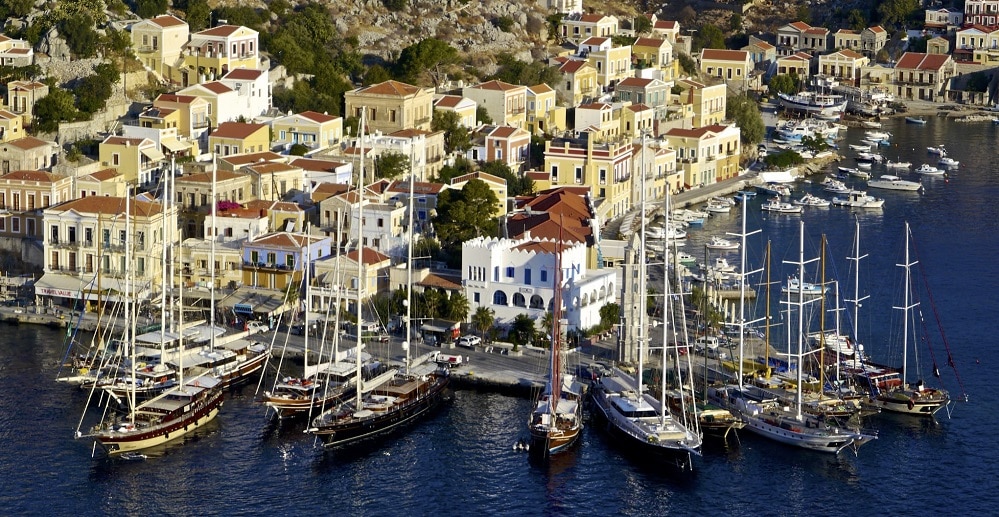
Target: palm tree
522	330
483	320
457	307
431	302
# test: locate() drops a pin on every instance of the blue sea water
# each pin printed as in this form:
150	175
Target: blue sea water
460	462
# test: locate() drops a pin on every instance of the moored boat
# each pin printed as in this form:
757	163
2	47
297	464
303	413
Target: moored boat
915	120
890	182
858	199
948	162
811	200
718	243
929	170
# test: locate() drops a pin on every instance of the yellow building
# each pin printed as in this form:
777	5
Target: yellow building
708	102
239	138
22	96
159	43
137	159
464	107
391	106
657	54
732	66
273	181
844	65
505	103
277	259
212	53
798	64
637	119
310	128
604	168
576	27
23	194
706	155
658	162
105	182
192	113
543	113
579	81
10	126
600	119
613	63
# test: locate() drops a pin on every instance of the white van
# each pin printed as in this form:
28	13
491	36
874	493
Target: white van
706	342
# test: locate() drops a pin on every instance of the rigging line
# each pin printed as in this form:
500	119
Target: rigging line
936	316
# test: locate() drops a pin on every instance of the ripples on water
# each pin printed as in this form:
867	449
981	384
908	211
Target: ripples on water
460	462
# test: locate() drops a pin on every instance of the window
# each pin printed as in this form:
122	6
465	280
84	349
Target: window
3	200
140	266
121	237
603	176
290	261
31	227
17	201
554	173
579	175
381	222
15	224
527	276
495	273
272	258
115	159
519	300
254	257
499	298
509	272
31	201
55	234
475	297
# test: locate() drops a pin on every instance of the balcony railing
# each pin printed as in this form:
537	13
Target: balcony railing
266	266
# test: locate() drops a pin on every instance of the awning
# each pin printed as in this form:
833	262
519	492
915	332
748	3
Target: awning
432	328
174	145
153	154
53	284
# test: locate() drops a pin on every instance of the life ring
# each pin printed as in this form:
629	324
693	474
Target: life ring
911	404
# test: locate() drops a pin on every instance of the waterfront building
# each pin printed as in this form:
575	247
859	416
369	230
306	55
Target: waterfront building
790	37
706	155
337	277
798	64
316	131
88	234
760	51
977	43
515	276
844	65
197	269
923	76
193	196
392	106
564	211
24	194
708	103
159	43
505	103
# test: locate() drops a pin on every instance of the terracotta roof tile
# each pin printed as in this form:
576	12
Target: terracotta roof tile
109	206
25	175
167	20
390	87
28	142
236	130
244	74
371	256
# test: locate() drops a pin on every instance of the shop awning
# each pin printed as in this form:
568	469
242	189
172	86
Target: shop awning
153	154
54	284
174	145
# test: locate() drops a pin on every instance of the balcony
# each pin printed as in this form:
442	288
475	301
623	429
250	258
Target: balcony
148	48
267	266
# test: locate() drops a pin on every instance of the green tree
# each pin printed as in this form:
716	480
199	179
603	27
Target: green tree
483	319
803	13
394	5
522	330
16	8
735	22
514	71
58	106
516	184
457	307
708	36
815	143
376	74
482	115
199	15
78	30
432	299
553	21
783	159
150	8
687	63
298	150
391	165
461	167
643	25
92	94
431	56
610	314
465	214
456	137
856	20
746	114
895	13
117	42
503	23
784	83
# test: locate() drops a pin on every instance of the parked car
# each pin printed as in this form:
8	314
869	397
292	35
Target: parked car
469	341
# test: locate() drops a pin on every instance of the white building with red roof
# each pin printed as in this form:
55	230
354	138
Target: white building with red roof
253	90
159	43
923	76
577	27
314	130
505	103
15	52
212	53
504	144
517	276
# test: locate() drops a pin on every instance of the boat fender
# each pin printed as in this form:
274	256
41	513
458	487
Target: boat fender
911	404
653	439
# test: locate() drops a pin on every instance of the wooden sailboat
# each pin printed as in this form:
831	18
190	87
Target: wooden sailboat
890	389
556	421
174	413
388	401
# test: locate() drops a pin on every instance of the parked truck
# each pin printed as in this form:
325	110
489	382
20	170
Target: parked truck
451	361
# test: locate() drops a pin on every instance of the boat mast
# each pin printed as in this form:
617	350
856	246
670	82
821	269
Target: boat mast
129	302
822	319
801	311
409	261
211	256
360	261
642	275
555	365
856	288
308	309
766	328
742	292
163	262
908	305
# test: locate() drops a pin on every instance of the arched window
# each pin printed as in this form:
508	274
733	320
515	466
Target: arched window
518	300
499	298
537	302
603	293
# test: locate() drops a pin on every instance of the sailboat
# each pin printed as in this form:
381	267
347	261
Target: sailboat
168	416
556	421
890	389
768	414
637	419
391	400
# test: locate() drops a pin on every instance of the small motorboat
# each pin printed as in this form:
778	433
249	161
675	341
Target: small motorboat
777	206
133	456
864	166
810	200
929	170
937	150
948	162
898	165
718	243
860	147
915	120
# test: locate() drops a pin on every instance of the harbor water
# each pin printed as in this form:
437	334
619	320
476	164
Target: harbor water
460	461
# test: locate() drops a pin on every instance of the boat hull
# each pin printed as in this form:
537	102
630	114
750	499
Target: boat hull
354	430
549	442
115	443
